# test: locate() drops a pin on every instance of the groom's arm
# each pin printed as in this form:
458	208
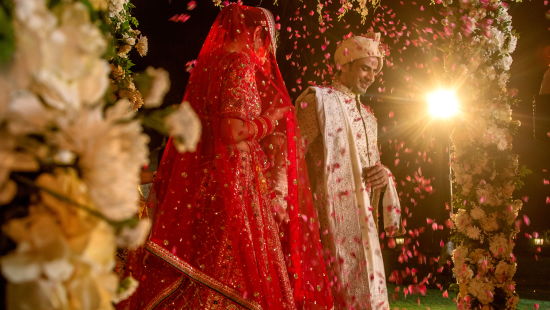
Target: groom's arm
306	113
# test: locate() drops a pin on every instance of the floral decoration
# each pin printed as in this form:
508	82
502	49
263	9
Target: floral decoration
70	157
477	39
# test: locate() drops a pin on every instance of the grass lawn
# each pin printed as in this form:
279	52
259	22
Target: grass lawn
434	300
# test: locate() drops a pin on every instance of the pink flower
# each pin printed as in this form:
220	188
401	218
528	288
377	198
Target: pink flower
468	25
179	18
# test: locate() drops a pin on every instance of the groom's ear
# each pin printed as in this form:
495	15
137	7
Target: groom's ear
346	67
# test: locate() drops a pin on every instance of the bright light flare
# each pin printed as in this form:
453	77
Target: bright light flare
443	103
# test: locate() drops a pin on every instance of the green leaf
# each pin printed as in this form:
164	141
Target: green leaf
134	21
156	119
53	3
7	36
125	26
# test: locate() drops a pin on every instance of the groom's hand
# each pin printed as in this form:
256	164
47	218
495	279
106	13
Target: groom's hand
375	177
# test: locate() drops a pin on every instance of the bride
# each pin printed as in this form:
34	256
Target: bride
234	224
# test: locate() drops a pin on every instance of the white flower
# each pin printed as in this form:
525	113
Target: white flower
91	290
516	206
463	178
99	251
462	220
500	246
64	64
498	136
56	91
185	128
81	33
27	114
490	223
142	46
116	6
482	260
64	256
503	15
130	40
513	299
505	62
496	38
463	273
35	14
487	194
510	213
482	290
32	25
503	79
42	250
112	150
160	84
12	160
512	43
93	85
504	271
41	294
477	213
473	232
479	256
477	13
459	255
79	64
132	238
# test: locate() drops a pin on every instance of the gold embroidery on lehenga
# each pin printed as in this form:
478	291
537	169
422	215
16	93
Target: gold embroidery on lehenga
164	294
199	276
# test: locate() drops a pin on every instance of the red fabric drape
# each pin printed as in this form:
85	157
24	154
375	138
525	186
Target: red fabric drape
215	243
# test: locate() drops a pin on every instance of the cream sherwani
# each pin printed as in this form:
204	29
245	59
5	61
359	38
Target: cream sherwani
341	140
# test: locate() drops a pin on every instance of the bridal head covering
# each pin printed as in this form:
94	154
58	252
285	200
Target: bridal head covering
358	47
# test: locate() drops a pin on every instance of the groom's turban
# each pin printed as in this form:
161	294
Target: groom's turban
359	47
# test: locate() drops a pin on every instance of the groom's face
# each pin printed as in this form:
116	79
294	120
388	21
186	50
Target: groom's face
359	74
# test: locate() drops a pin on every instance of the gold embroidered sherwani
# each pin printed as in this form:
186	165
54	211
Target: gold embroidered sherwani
341	140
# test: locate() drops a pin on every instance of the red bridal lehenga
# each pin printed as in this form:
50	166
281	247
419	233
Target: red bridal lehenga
231	229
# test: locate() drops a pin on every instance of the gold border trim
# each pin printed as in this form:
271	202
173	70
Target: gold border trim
164	294
199	276
272	30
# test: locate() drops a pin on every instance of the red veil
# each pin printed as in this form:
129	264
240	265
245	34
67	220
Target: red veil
215	243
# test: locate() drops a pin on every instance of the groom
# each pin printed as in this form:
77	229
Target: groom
340	135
